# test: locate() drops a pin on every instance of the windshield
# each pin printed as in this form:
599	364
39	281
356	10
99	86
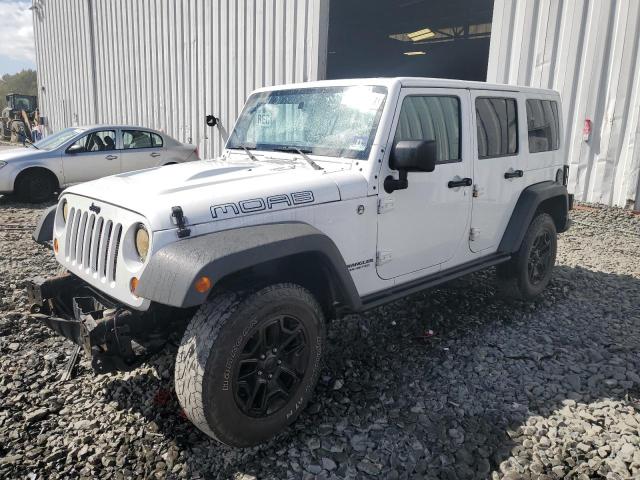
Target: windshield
331	121
22	103
54	141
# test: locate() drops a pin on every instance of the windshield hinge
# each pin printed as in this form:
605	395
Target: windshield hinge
176	212
385	204
383	256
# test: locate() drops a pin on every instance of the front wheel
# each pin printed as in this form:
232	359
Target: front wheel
248	363
528	273
35	186
16	127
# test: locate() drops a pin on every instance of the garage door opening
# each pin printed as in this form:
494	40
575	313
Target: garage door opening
426	38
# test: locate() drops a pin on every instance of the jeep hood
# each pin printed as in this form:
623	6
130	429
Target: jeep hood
198	187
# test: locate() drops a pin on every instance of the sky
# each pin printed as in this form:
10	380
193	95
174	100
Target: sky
16	23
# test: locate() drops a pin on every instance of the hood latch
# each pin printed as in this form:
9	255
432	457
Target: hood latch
176	212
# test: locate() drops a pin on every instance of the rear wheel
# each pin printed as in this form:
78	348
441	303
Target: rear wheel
248	363
528	273
35	186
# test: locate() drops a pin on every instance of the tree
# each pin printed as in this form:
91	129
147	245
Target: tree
25	82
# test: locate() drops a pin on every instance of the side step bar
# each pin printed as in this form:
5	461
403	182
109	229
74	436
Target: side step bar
398	291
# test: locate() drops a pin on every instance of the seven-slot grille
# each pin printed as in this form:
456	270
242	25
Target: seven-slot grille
92	243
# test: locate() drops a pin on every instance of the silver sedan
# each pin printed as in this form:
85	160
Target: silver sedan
80	154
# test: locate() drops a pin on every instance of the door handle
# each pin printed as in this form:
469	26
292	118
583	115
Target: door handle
514	174
111	157
465	182
155	154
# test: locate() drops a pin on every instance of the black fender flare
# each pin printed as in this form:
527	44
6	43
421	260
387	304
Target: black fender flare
526	207
170	275
44	229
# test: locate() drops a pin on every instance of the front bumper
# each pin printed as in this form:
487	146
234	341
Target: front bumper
113	337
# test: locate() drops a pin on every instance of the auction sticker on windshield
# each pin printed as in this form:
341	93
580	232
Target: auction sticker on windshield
264	119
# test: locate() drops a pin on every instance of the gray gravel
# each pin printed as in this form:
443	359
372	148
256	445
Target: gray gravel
500	390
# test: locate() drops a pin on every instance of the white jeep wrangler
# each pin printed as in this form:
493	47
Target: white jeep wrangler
330	197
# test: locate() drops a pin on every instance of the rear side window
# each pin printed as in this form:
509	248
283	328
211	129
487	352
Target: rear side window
132	139
543	125
432	118
156	140
497	127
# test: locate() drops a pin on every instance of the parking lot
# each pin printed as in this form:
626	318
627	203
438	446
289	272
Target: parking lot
502	390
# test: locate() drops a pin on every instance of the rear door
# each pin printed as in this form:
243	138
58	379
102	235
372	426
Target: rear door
142	149
425	224
97	158
499	167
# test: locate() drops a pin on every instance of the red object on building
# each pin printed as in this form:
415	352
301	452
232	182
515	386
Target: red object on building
586	130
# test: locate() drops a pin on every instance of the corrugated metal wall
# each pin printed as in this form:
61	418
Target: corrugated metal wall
166	64
589	51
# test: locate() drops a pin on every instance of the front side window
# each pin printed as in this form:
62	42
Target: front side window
497	127
102	141
432	118
132	139
331	121
543	125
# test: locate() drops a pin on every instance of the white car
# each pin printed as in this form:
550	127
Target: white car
330	198
79	154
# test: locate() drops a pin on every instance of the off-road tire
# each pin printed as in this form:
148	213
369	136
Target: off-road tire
35	187
514	279
211	347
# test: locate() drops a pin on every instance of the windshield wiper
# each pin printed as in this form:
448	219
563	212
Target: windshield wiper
251	155
303	154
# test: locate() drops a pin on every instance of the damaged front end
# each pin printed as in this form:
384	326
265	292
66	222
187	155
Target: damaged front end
115	338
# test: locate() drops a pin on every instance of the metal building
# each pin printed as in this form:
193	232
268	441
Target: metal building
589	51
167	64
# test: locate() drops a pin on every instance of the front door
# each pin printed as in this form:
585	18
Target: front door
499	167
424	225
96	157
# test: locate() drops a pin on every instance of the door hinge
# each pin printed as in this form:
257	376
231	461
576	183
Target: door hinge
383	257
474	233
385	204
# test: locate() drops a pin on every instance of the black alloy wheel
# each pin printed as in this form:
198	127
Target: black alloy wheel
540	257
271	366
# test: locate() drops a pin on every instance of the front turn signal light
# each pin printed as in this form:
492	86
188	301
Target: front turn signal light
55	245
202	284
133	284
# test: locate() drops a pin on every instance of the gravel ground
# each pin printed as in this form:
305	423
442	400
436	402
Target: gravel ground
499	390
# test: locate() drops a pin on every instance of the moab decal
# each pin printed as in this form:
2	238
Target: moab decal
253	205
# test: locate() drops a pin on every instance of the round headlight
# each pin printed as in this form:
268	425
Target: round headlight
65	211
142	242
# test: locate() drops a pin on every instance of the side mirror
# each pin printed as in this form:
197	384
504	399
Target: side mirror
410	156
75	148
211	120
